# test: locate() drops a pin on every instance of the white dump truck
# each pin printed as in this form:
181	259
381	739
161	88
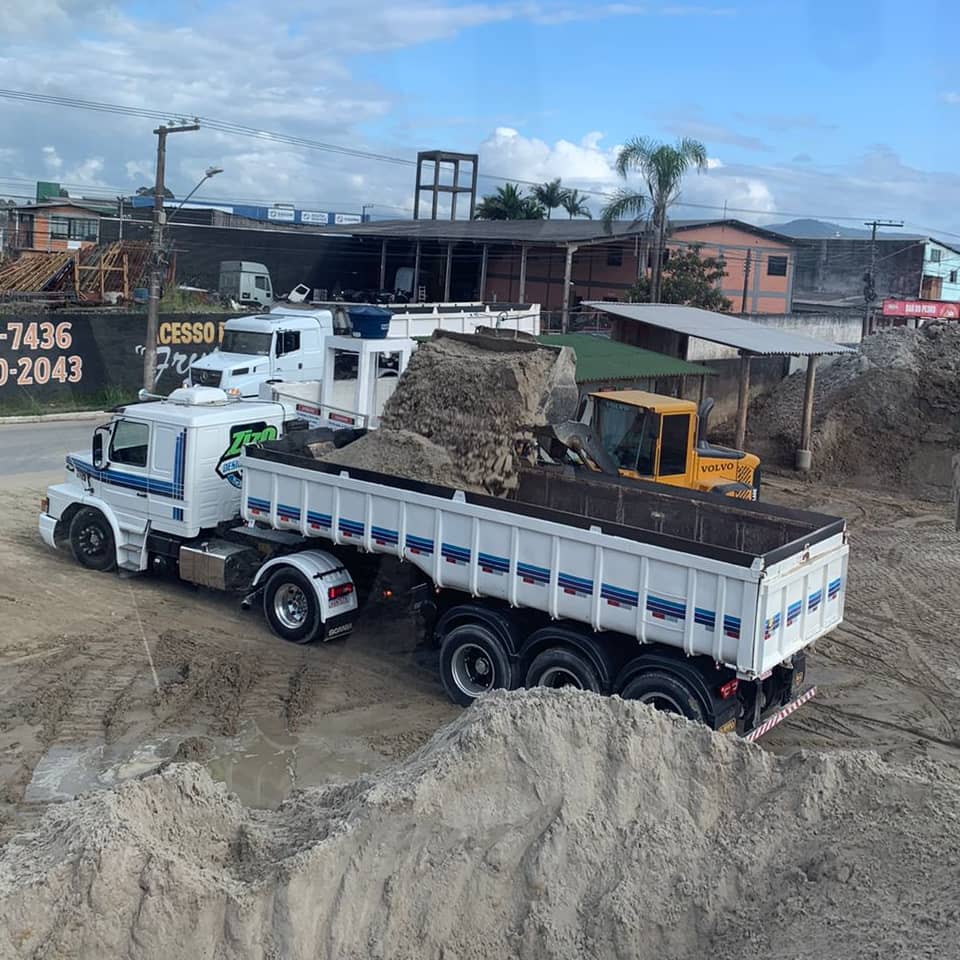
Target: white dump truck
695	604
288	343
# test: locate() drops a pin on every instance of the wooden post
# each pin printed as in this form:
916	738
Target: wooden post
383	264
567	282
126	277
447	271
804	455
522	295
483	273
103	277
703	392
743	401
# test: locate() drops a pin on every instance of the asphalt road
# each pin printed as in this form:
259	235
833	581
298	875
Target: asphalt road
40	447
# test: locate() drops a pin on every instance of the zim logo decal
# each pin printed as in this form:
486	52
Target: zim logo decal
241	435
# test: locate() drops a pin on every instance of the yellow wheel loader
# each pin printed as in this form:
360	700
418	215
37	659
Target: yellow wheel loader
647	436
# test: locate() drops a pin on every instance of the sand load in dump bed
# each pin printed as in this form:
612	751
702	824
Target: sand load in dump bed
542	824
461	408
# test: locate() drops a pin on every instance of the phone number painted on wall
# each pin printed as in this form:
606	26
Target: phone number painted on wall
39	339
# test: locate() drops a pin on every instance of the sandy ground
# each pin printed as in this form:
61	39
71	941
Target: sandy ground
102	678
80	705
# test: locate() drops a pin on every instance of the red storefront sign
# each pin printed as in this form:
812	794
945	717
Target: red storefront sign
922	309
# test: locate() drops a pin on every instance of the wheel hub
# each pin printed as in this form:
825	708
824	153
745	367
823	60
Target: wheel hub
290	606
472	670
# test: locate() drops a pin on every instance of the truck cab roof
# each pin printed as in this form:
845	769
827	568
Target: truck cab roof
280	319
197	406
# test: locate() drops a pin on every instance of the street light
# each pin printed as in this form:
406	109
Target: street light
210	172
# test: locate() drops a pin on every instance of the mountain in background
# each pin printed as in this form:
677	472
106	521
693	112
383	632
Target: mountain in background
810	229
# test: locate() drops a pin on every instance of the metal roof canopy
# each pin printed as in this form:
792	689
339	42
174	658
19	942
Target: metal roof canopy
723	328
751	339
600	359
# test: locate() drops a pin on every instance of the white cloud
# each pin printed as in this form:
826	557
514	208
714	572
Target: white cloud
51	159
950	96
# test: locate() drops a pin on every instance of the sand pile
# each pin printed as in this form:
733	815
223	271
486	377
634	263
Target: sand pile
886	416
460	408
539	824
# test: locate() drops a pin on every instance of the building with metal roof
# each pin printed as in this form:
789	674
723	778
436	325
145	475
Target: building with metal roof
670	328
603	362
723	328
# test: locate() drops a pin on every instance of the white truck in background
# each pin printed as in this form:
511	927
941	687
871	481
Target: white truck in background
288	343
682	600
245	282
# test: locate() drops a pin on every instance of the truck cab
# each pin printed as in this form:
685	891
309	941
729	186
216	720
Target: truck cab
246	282
285	344
664	439
168	467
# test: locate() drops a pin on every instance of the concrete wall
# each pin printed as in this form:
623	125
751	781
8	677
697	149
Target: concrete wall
843	327
833	268
52	355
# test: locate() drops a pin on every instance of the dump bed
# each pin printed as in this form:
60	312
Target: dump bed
747	584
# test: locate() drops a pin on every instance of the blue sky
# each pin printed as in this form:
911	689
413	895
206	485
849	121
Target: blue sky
843	108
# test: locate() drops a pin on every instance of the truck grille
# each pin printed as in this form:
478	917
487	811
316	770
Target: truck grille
206	378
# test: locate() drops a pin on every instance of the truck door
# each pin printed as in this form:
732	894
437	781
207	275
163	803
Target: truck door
126	476
288	362
262	292
673	464
168	457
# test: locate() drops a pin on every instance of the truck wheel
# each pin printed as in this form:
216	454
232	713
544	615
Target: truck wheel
472	662
559	667
665	692
91	540
290	606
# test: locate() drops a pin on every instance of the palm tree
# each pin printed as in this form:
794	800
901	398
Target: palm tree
575	203
662	167
509	203
550	194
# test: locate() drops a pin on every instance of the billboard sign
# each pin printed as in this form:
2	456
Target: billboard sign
922	309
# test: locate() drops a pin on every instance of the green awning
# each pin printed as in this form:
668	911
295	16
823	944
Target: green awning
601	359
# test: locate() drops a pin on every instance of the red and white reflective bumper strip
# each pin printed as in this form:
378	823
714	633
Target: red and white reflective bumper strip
780	715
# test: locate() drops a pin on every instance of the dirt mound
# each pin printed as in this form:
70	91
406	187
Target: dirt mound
538	824
462	406
884	417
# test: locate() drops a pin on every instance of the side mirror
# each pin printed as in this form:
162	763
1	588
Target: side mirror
99	461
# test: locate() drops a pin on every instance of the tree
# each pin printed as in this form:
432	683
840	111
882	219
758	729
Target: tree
662	167
150	191
550	195
687	278
575	203
509	203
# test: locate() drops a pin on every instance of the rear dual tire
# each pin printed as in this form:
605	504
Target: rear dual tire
473	662
291	606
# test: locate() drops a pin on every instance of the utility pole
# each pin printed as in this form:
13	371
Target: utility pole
746	282
869	278
156	253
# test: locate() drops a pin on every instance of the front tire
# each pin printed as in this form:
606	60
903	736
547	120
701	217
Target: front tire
290	606
473	662
665	692
91	540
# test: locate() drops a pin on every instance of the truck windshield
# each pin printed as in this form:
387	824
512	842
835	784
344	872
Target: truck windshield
245	341
628	434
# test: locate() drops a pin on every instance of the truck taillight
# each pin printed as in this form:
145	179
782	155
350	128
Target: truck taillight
341	590
44	504
729	689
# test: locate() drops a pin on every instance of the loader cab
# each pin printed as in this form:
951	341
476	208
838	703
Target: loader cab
663	439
